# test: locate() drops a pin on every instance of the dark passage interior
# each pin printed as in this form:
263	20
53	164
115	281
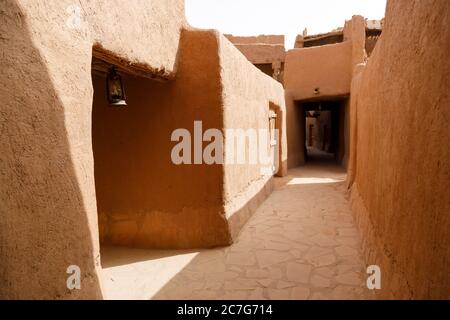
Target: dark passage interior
325	126
125	139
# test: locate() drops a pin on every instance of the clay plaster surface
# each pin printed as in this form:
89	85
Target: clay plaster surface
327	68
400	195
261	39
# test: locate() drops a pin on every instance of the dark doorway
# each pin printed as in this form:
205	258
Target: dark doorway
324	131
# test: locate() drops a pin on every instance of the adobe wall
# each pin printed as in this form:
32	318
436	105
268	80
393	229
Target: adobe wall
48	207
247	97
309	68
262	53
330	69
344	133
295	127
401	170
261	39
305	70
144	199
267	52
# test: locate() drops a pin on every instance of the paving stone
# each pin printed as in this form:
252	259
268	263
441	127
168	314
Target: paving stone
235	295
326	272
265	282
344	251
320	261
214	285
240	258
257	294
324	241
296	253
194	276
257	273
221	276
284	284
319	281
213	266
277	294
241	284
270	257
343	268
278	246
298	272
350	278
300	293
234	268
275	273
319	296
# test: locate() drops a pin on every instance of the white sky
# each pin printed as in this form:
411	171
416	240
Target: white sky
288	17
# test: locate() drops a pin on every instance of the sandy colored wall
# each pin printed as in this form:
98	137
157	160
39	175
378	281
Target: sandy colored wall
325	67
48	207
261	39
344	133
330	68
305	70
143	34
144	200
266	52
400	194
247	96
262	53
295	127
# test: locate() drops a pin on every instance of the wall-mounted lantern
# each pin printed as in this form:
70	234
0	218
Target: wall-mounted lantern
114	88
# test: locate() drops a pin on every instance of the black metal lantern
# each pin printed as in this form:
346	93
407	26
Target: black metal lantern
114	89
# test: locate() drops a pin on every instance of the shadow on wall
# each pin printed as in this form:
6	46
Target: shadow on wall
144	198
278	125
44	226
400	194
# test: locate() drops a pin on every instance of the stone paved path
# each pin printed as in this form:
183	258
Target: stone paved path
300	244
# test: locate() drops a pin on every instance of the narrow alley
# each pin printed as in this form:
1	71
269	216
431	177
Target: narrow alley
197	150
300	244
